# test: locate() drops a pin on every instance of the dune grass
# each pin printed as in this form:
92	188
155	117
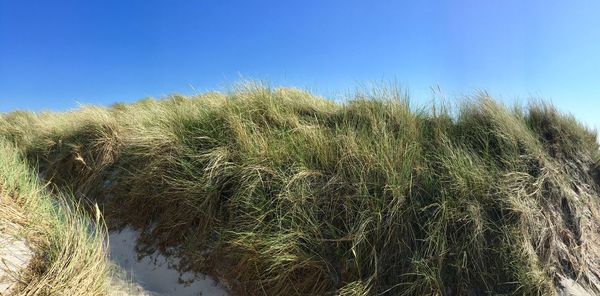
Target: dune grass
69	253
279	192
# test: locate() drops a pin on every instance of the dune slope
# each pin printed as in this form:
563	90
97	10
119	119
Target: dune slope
279	192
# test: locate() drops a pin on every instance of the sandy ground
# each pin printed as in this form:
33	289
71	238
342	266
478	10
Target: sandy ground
568	287
14	257
152	275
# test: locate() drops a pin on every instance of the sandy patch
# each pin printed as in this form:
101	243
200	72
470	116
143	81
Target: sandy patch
14	257
569	287
153	275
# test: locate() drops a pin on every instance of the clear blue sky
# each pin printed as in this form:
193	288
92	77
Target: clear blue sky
54	54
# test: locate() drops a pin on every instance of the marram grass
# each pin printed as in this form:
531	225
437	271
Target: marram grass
69	255
279	192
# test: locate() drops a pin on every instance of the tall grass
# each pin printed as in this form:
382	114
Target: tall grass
69	253
280	192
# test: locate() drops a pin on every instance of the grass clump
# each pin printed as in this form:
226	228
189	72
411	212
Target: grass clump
69	254
279	192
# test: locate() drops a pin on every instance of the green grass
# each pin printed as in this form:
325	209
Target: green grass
69	257
280	192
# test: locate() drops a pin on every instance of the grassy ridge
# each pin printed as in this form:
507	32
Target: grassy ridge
279	192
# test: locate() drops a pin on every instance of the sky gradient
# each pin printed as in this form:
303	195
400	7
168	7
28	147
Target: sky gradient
56	54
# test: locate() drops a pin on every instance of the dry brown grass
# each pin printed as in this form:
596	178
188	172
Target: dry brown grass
69	258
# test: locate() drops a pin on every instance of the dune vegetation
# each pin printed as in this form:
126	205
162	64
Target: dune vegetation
69	257
280	192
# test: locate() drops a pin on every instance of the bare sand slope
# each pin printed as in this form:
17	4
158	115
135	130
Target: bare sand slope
569	287
14	257
154	275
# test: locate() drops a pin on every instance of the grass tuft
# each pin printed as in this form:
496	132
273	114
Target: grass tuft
70	257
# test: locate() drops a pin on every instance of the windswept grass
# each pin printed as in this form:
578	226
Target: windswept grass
279	192
69	254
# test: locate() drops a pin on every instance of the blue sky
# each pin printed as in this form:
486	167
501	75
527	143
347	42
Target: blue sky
54	54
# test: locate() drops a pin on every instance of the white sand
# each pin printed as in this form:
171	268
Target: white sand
572	288
153	274
14	257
